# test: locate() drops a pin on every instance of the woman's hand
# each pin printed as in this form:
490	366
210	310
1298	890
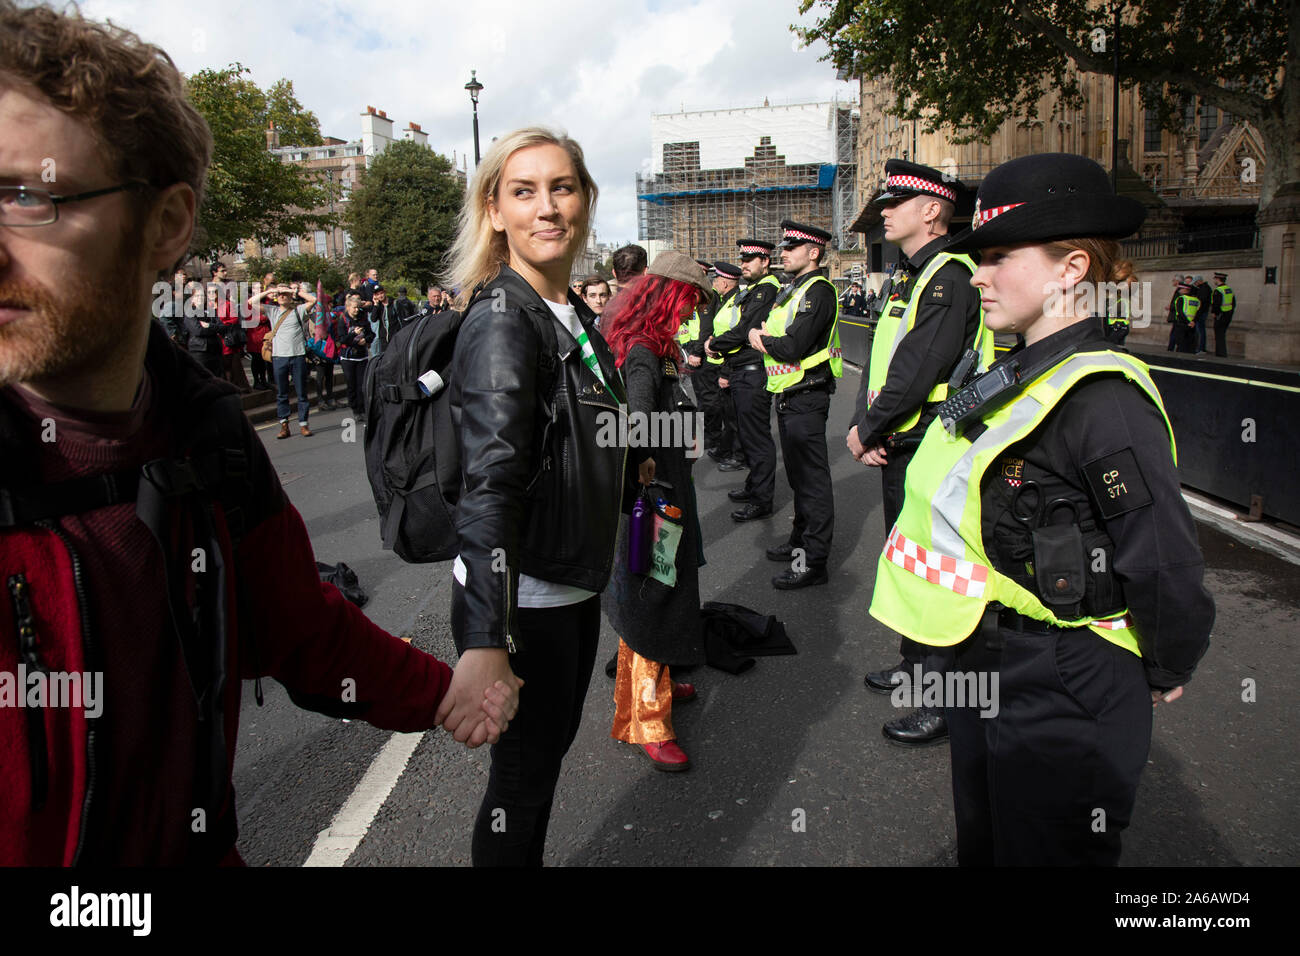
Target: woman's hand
646	471
1165	697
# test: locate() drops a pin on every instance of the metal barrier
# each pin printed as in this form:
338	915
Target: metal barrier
1237	428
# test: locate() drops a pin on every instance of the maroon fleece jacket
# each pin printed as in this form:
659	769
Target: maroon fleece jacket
136	807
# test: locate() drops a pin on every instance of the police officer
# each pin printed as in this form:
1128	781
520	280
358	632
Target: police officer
1117	320
1044	536
704	375
800	342
747	381
932	316
726	283
1222	306
1184	311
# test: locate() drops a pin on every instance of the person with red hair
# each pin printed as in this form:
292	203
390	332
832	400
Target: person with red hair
658	622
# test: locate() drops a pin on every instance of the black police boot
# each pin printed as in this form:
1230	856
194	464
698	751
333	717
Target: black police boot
791	580
780	552
752	511
883	682
731	464
920	727
740	494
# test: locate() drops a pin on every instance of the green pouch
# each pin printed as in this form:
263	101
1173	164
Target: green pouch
663	554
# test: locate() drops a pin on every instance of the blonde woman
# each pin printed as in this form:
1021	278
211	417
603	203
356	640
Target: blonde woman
531	384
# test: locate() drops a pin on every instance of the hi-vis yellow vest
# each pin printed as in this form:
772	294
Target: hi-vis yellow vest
724	320
934	579
899	318
1189	305
781	375
1227	299
689	330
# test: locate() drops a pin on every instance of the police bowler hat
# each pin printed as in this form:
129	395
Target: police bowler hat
1046	197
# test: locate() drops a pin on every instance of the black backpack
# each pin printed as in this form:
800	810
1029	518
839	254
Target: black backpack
412	449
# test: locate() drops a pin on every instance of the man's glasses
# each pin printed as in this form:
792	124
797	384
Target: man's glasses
25	206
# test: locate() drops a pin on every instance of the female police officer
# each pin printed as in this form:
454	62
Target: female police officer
1043	532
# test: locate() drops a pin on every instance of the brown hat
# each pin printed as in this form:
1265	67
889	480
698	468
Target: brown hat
674	265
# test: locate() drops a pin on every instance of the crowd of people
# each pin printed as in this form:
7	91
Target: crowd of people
997	497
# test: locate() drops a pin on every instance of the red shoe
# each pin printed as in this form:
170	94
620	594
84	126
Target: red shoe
683	692
667	756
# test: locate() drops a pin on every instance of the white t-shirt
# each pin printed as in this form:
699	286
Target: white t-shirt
534	592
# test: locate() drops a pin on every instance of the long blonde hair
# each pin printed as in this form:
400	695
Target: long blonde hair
479	250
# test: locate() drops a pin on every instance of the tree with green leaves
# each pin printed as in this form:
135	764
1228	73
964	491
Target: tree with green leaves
971	64
402	213
251	193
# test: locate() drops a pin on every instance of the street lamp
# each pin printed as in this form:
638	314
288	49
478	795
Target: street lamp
475	88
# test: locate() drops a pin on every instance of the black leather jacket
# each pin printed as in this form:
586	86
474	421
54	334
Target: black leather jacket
536	482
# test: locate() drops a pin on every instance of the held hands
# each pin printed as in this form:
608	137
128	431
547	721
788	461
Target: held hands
756	338
483	697
876	457
1159	697
646	471
692	360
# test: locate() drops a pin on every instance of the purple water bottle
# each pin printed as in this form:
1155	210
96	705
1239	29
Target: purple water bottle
640	535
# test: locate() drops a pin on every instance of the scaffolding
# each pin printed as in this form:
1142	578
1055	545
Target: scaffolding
702	211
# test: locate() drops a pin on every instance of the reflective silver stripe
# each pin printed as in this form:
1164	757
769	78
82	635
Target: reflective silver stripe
949	501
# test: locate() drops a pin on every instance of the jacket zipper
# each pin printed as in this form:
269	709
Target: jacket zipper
29	654
87	643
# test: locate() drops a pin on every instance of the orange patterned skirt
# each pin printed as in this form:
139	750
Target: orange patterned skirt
643	699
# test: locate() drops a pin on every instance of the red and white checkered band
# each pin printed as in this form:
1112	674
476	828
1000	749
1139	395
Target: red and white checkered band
916	182
871	397
1115	624
781	369
756	250
986	214
962	577
803	236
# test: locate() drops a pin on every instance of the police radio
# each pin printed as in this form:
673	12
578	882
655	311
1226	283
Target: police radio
990	391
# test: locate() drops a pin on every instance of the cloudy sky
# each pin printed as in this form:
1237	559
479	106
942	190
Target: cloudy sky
597	70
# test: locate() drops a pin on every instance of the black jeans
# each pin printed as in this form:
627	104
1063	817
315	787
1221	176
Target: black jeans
555	649
354	374
754	426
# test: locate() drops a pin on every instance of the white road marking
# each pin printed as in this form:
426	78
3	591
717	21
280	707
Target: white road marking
335	843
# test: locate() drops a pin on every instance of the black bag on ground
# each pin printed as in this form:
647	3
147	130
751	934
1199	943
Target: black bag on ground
412	450
345	579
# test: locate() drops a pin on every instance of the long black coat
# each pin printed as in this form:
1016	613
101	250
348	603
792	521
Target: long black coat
660	623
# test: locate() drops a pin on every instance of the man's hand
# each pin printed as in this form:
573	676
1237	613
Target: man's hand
875	456
855	447
708	348
646	471
723	383
1165	697
465	712
756	338
693	360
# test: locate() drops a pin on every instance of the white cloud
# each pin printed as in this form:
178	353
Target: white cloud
597	70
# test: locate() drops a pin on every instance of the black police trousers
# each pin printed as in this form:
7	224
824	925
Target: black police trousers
1051	779
801	422
555	650
719	434
753	402
1221	323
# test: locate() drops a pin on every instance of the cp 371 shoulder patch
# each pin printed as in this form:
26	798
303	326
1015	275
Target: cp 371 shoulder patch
939	291
1117	484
